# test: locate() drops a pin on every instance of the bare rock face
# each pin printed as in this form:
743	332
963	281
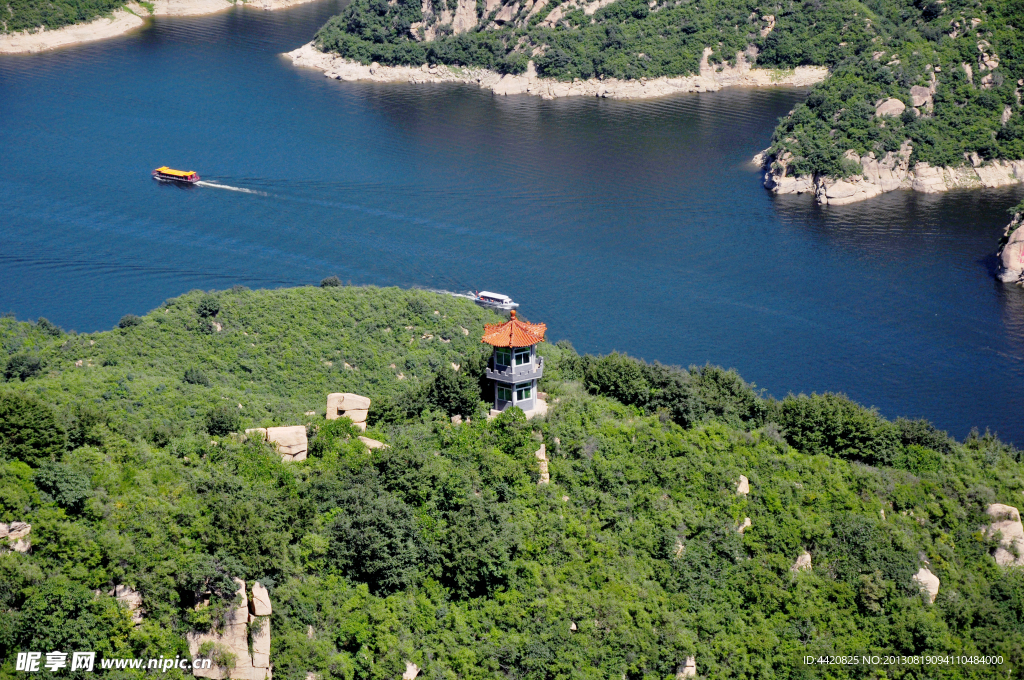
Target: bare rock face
372	443
927	582
890	108
131	599
746	525
291	441
803	562
1011	255
542	463
411	671
260	605
234	640
1006	522
921	96
17	537
689	669
743	486
348	405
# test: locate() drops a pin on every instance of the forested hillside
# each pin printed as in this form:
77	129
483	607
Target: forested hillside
443	550
28	15
964	56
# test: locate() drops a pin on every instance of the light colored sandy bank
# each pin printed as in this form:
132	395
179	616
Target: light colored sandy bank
124	20
23	43
709	80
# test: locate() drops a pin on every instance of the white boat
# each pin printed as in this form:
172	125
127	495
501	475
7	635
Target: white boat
496	300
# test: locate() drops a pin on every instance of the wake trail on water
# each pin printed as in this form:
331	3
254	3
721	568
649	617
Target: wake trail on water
214	185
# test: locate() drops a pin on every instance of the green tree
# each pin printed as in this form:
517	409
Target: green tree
28	430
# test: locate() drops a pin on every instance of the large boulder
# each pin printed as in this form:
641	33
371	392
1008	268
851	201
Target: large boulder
291	441
1006	522
927	582
689	669
921	96
347	405
743	486
890	108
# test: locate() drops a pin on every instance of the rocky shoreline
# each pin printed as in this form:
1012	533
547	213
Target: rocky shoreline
887	173
124	20
710	79
1011	252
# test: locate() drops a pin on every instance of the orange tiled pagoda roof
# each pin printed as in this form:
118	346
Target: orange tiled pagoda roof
514	333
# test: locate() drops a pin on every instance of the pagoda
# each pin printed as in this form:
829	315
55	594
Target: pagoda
515	367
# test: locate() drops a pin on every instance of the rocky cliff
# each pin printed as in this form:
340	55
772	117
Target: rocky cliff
1011	253
879	174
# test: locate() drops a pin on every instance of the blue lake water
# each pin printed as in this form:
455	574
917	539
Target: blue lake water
631	226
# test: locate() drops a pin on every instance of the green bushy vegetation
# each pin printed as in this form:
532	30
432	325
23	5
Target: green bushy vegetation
442	549
29	15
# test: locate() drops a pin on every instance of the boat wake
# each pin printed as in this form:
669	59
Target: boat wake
214	185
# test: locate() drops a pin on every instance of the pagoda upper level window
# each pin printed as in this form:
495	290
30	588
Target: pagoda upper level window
522	355
503	356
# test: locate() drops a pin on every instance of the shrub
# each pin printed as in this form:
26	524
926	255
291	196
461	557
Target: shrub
330	282
454	392
208	306
193	376
620	377
222	420
375	540
129	320
28	430
22	367
833	425
49	327
67	488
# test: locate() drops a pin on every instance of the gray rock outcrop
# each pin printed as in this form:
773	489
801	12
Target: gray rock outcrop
689	669
348	405
803	562
890	108
233	640
927	582
1006	522
542	464
290	441
372	443
1011	255
131	599
879	175
15	536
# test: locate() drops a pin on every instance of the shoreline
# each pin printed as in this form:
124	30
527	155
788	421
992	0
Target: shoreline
887	173
124	20
709	79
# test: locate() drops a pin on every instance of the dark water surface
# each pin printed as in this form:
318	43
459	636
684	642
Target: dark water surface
631	226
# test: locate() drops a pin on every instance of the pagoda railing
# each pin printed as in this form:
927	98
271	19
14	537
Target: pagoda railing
515	374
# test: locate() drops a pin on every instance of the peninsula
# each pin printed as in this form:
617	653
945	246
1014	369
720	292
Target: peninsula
307	480
922	95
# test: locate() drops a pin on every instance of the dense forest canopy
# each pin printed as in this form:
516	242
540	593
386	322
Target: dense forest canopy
967	52
30	15
442	550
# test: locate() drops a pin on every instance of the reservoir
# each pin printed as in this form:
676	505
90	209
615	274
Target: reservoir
632	226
